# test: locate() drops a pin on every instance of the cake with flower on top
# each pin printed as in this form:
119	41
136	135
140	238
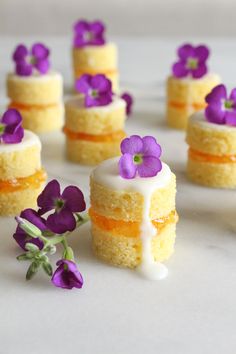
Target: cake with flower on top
94	120
35	90
188	85
211	136
91	53
21	175
132	210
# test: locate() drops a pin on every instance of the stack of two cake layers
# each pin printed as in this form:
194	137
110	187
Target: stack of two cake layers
116	217
39	100
97	60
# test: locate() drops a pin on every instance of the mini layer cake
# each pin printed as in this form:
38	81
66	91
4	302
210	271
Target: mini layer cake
188	85
92	55
94	133
212	148
22	176
38	96
133	219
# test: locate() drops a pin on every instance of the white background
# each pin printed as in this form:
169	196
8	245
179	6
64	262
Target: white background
129	17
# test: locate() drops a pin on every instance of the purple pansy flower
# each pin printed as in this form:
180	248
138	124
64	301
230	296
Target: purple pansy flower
88	33
192	61
28	60
67	276
20	235
97	89
11	131
129	102
64	205
221	109
140	156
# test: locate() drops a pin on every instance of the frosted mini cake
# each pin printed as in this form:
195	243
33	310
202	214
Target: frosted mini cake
211	136
21	175
133	208
34	90
92	54
188	85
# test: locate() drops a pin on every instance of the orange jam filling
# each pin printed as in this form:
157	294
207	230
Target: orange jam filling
116	136
203	157
129	228
182	106
28	107
17	184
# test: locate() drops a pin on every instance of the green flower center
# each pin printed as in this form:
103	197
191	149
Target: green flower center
228	104
192	63
94	93
32	60
88	36
59	204
2	128
138	159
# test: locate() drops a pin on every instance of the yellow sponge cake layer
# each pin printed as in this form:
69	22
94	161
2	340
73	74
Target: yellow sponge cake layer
41	119
186	96
95	120
35	90
212	153
22	159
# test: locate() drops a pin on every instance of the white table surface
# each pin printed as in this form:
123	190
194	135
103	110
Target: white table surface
118	312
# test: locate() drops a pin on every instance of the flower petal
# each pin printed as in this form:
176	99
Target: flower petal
20	52
74	199
150	167
81	26
61	222
101	83
97	27
129	102
185	51
217	94
79	41
214	113
132	145
83	84
67	275
40	51
42	65
13	134
201	52
127	168
48	196
179	69
151	147
233	96
11	116
23	68
200	71
230	118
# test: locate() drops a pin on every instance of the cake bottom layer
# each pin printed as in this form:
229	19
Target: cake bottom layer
217	175
13	203
126	251
89	152
177	118
41	119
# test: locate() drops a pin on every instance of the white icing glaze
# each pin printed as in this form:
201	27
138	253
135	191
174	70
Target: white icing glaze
200	119
36	77
107	174
29	139
78	102
205	78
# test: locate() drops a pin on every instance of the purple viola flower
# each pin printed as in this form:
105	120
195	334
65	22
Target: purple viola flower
97	89
67	276
20	235
11	131
221	109
88	33
63	204
140	156
129	102
27	61
192	61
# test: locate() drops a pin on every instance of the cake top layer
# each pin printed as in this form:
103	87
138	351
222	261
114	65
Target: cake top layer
199	119
208	77
29	139
36	77
78	102
107	174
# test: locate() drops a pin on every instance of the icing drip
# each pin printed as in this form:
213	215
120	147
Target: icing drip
107	174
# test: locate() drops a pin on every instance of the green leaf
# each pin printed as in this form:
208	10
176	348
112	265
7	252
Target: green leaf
28	227
47	268
32	270
23	257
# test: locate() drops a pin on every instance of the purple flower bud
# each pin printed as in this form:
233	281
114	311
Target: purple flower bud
67	276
